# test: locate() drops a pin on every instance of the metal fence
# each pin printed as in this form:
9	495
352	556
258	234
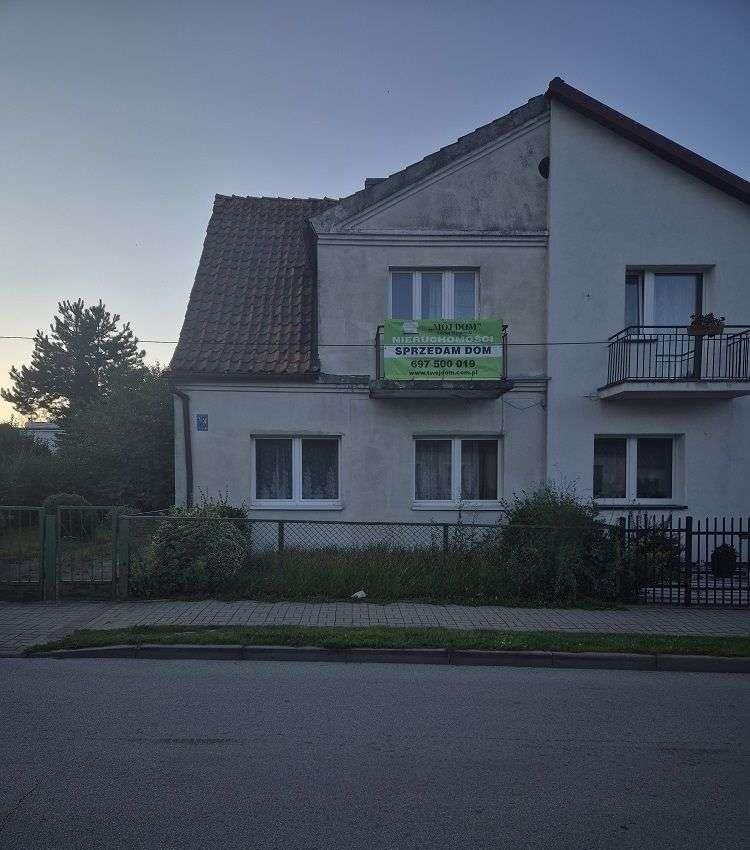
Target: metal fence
669	353
102	552
21	551
71	552
689	561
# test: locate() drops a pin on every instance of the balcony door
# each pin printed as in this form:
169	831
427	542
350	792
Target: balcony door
658	307
676	298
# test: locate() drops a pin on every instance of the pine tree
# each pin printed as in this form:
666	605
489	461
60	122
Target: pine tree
76	364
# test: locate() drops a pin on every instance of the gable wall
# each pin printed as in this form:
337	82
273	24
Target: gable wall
614	204
499	189
456	221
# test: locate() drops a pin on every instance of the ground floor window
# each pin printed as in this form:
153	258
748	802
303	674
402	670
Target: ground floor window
634	468
456	470
295	471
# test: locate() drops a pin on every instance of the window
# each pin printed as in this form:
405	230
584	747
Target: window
456	470
634	468
656	298
633	300
296	472
448	294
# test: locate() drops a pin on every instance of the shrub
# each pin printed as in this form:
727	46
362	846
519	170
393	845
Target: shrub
28	469
193	551
553	550
73	523
655	554
724	561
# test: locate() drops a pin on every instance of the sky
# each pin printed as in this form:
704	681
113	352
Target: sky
121	120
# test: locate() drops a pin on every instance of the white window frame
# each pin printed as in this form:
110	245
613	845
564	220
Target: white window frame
296	502
631	471
448	290
648	277
456	502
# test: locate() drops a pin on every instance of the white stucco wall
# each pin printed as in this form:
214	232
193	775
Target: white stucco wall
612	204
353	282
377	442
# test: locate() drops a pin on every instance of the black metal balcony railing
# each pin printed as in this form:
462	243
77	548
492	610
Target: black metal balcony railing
670	353
379	354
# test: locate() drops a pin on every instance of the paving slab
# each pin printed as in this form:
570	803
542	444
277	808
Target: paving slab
23	624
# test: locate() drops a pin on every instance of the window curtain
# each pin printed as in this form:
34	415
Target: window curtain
654	480
610	468
433	470
401	295
273	469
675	298
320	469
464	306
479	470
432	295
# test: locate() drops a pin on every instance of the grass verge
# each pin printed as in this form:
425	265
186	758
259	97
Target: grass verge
399	638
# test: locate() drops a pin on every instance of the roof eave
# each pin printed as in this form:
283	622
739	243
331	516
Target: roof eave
652	141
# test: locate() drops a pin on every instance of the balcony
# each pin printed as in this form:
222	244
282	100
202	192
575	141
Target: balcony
665	361
481	381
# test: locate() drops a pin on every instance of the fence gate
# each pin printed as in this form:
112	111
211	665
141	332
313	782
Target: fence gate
22	553
53	556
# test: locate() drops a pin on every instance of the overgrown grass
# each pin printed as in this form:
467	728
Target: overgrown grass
397	638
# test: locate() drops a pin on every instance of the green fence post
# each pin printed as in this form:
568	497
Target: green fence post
40	527
49	586
123	557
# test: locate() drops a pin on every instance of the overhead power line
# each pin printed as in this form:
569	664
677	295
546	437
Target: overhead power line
353	344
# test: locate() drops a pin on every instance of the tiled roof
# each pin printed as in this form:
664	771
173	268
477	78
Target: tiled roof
251	310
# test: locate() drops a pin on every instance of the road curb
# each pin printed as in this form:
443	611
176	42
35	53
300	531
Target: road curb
458	657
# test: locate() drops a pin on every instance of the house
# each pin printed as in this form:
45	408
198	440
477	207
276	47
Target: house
512	308
46	433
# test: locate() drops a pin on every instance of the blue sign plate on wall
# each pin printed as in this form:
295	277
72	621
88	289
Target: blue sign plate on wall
201	421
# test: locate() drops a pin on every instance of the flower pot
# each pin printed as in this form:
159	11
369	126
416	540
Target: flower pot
708	325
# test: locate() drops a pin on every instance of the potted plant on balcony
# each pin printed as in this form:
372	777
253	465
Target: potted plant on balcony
705	325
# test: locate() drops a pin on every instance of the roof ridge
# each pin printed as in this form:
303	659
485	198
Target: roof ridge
325	198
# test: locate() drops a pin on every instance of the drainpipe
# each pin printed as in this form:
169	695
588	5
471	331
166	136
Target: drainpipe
188	447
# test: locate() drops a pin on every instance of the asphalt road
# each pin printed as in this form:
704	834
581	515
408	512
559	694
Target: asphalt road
181	755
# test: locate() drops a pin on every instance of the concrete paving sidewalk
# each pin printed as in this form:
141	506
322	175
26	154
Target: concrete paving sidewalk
25	624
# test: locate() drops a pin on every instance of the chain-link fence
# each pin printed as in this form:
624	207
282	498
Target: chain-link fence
301	559
102	551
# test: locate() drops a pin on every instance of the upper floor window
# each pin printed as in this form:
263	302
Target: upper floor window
656	298
434	294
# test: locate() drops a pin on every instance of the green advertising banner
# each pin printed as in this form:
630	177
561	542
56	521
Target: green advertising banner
443	350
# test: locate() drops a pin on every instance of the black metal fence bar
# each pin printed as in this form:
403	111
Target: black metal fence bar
671	353
691	562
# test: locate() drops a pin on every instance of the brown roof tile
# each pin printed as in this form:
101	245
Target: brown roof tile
251	311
